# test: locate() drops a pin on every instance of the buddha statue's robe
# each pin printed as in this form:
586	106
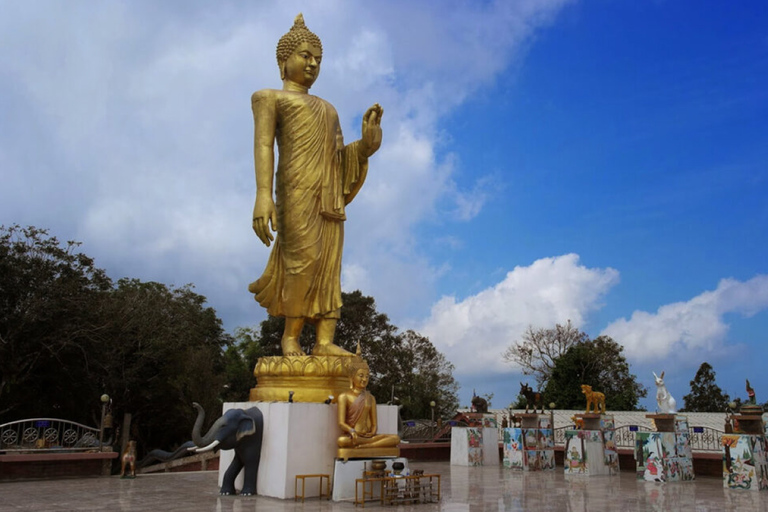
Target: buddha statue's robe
316	177
359	410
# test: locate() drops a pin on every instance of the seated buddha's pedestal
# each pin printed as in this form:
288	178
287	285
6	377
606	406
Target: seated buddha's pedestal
664	455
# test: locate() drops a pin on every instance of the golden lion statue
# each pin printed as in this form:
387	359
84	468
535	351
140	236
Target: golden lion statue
595	399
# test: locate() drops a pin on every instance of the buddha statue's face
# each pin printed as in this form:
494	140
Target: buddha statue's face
360	378
303	66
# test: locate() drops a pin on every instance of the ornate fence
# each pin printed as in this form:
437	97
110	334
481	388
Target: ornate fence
703	439
706	439
45	434
625	435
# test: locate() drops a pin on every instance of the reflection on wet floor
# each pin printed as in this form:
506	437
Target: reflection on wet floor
464	489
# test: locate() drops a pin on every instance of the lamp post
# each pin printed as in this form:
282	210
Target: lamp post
552	416
432	405
104	402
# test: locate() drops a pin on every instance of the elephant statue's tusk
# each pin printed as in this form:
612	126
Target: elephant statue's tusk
207	448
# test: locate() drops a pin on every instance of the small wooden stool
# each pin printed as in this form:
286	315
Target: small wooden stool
303	478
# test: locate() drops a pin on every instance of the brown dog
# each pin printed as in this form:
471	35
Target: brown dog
129	458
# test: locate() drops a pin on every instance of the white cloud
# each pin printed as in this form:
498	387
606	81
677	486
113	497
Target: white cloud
686	330
474	332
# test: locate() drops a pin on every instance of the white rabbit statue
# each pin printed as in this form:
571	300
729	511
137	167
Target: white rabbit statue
666	403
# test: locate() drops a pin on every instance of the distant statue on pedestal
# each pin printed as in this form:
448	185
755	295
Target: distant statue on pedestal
665	402
595	400
751	400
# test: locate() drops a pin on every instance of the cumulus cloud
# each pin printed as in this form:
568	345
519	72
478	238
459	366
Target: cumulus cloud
686	330
474	332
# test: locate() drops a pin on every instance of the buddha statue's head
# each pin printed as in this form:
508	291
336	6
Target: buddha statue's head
359	372
299	53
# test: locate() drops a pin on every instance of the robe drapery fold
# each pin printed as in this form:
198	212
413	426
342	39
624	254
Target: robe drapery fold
317	176
356	409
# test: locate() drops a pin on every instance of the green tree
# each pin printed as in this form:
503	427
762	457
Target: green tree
428	378
68	335
163	349
538	350
49	320
705	395
518	403
600	364
240	361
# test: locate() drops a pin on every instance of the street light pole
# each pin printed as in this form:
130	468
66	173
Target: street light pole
552	416
104	402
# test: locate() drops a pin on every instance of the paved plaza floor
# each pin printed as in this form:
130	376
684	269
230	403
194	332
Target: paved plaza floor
470	489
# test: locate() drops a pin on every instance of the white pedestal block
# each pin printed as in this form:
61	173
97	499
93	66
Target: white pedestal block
346	473
529	449
490	446
745	462
592	452
665	456
299	439
474	446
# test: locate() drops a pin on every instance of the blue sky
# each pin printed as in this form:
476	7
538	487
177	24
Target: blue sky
599	161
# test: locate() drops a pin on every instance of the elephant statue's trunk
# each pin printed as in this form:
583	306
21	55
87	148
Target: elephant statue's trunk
210	436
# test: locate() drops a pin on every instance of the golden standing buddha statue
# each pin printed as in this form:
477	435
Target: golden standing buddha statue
317	176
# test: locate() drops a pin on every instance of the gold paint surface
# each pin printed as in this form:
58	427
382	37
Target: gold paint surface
358	420
311	378
304	199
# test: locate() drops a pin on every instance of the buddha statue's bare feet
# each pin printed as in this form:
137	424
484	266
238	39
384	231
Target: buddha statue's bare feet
291	347
329	349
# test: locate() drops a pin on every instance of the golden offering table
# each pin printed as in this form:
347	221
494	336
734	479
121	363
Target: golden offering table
303	479
398	490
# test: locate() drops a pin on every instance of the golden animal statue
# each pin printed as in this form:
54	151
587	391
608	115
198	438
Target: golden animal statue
317	176
129	459
595	399
358	420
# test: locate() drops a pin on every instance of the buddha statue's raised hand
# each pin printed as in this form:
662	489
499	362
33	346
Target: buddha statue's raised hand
371	139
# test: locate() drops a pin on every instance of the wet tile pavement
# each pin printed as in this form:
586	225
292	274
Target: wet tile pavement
464	489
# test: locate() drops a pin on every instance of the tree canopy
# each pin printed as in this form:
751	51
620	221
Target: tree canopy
705	395
538	350
68	334
600	364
